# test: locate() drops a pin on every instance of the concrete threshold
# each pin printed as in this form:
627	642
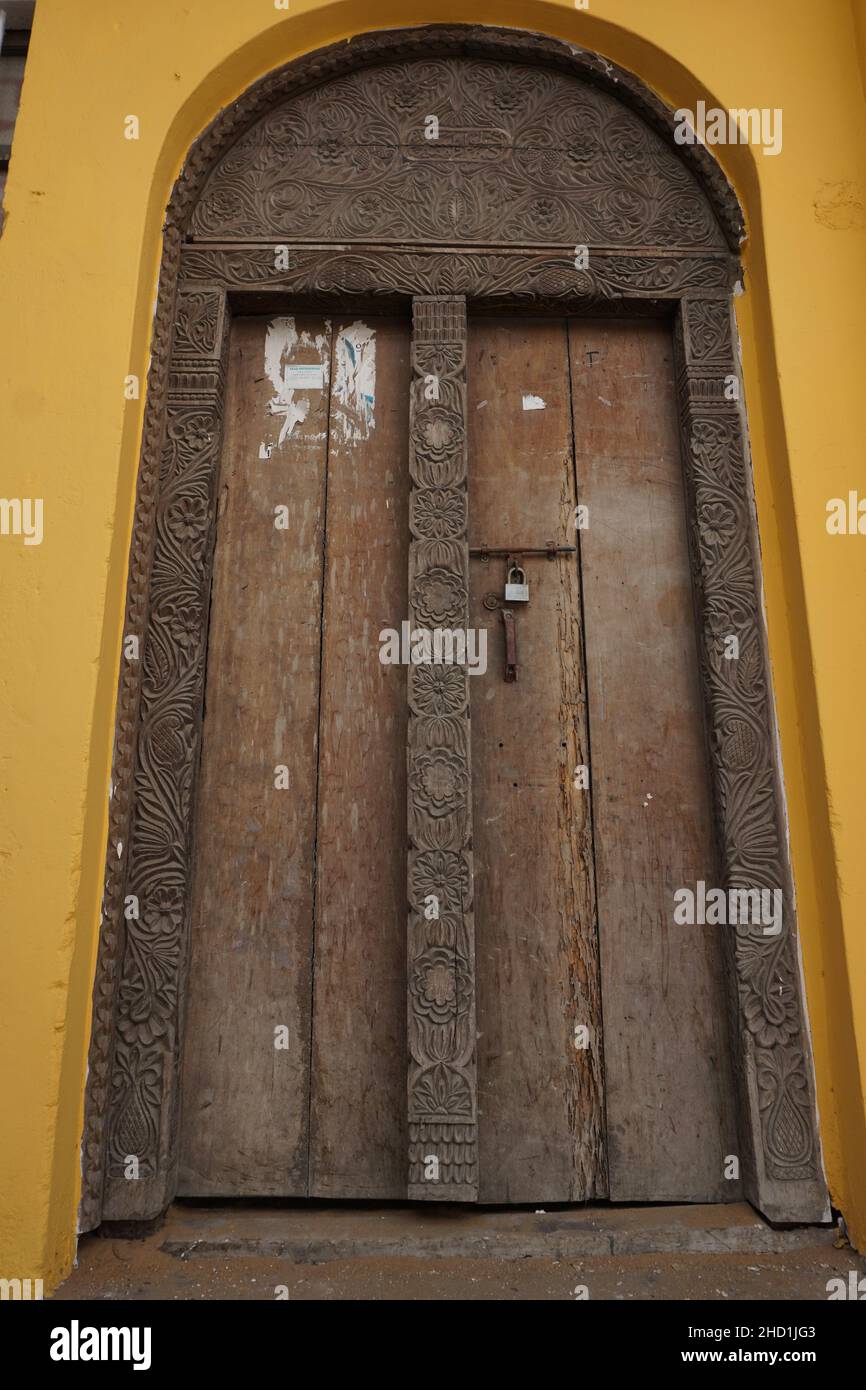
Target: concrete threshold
317	1233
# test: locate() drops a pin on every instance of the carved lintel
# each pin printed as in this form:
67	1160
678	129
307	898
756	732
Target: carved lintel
443	1142
510	275
780	1164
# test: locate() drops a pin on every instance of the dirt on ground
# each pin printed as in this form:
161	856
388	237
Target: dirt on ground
142	1270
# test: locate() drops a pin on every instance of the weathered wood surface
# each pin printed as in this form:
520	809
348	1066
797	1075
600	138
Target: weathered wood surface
245	1100
541	1121
358	1129
668	1078
299	892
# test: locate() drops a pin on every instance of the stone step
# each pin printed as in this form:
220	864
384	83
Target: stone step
315	1233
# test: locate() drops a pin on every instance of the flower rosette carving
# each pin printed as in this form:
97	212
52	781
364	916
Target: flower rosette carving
443	874
717	522
547	216
439	781
437	513
438	447
371	214
231	207
439	597
436	690
684	218
440	983
187	519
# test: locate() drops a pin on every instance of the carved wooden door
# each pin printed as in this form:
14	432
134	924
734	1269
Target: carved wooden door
570	1042
550	1034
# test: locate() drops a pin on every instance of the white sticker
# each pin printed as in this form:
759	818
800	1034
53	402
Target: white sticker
306	376
533	403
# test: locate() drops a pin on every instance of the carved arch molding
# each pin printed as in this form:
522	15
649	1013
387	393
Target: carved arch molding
541	148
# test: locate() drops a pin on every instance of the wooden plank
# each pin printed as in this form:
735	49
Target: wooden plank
667	1066
441	1086
245	1111
358	1128
541	1124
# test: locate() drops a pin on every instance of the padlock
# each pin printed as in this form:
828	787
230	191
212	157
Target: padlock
516	592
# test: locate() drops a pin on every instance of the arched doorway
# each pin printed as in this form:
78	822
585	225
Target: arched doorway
483	206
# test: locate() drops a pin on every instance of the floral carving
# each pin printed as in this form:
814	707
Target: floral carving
438	512
438	689
187	521
439	597
440	984
440	781
441	976
197	322
443	1091
443	874
438	434
502	128
716	522
148	996
773	1048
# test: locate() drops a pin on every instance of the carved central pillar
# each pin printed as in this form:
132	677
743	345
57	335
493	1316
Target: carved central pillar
443	1142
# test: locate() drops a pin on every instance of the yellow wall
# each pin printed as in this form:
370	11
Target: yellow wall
78	265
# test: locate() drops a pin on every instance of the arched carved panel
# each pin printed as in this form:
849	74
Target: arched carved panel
541	148
517	154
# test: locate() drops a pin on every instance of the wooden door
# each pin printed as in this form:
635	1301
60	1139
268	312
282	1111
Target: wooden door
540	1100
295	1056
669	1085
574	887
603	1064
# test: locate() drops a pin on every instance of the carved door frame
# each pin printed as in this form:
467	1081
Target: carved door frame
132	1089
